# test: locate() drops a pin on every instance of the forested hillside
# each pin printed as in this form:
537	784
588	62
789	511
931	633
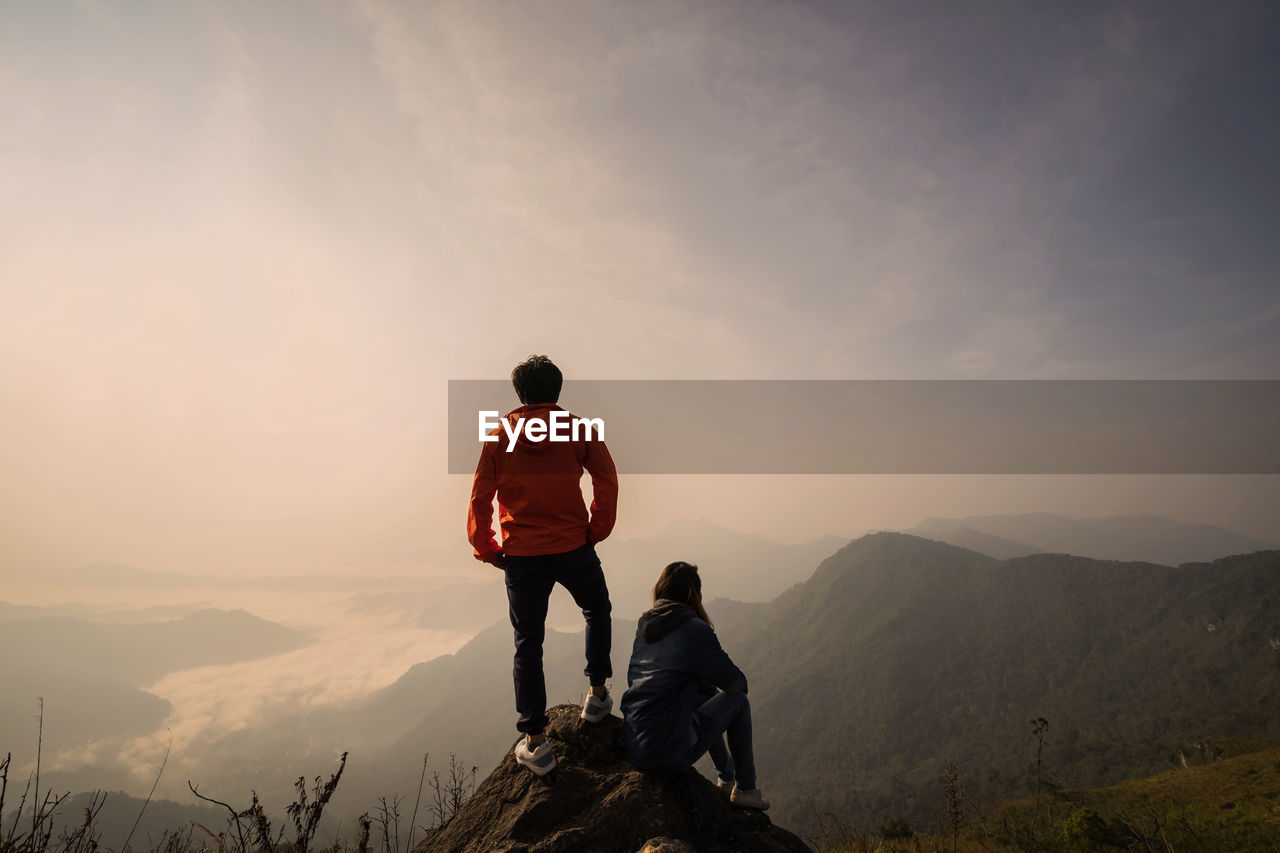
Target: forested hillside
902	654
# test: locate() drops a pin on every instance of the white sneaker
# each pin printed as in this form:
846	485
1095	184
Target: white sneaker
752	799
541	760
595	709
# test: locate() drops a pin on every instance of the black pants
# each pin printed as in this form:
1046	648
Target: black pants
529	583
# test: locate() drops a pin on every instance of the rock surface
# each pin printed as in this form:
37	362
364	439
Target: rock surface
596	801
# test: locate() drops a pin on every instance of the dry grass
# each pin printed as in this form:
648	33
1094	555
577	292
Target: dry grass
30	829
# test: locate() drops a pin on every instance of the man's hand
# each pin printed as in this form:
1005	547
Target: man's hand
500	561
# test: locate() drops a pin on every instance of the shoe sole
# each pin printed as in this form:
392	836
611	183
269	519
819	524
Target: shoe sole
598	715
747	808
547	764
535	769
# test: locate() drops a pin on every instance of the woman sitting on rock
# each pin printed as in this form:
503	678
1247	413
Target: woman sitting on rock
684	694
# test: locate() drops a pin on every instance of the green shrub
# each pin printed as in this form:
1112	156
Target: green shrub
1085	829
896	827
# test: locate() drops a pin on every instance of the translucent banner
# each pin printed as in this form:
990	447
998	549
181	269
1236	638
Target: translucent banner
906	426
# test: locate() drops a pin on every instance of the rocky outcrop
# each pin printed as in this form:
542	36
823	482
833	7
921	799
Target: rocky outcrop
595	801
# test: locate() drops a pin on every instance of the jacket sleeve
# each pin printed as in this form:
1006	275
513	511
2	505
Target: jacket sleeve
480	510
604	490
712	663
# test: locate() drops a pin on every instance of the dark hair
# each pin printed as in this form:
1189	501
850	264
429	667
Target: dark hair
680	582
537	380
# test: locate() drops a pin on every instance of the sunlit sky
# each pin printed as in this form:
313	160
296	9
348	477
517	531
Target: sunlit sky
243	247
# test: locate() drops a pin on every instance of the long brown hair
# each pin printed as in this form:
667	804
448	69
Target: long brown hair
679	581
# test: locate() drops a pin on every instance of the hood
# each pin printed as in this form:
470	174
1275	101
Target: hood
532	412
663	618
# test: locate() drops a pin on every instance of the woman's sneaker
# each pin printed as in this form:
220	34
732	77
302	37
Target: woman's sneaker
541	760
725	788
752	799
595	709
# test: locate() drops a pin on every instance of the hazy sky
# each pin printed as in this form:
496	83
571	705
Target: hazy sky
243	246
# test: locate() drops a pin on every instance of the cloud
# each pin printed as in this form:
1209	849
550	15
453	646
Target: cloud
352	653
246	247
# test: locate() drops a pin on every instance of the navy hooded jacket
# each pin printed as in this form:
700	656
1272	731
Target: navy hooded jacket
675	664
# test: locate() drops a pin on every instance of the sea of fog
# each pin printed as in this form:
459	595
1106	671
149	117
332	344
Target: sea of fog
353	648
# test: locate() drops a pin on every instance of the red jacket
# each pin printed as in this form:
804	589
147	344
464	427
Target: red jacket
540	505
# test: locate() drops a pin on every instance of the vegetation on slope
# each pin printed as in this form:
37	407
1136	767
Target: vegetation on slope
1229	803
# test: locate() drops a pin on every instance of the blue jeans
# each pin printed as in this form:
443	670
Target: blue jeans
529	583
721	715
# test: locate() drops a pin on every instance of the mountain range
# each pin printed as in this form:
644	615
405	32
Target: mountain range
1149	538
901	654
897	655
91	673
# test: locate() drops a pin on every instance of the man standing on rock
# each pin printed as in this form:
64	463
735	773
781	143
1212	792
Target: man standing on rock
548	537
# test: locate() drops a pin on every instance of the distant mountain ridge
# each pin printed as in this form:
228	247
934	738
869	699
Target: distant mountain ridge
119	811
90	613
984	543
902	653
65	660
741	566
139	653
1146	538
